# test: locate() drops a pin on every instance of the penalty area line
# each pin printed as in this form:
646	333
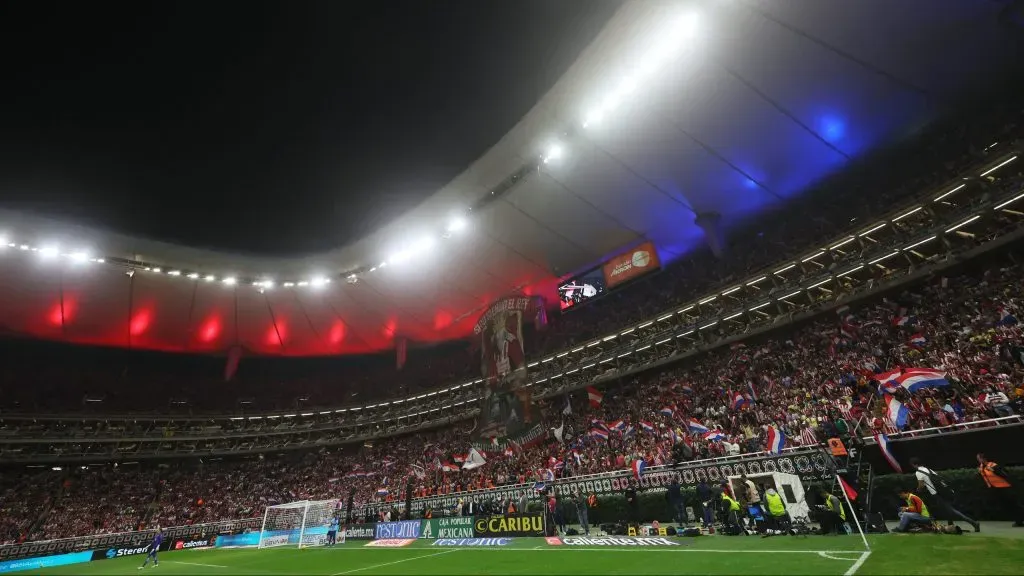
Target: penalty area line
372	566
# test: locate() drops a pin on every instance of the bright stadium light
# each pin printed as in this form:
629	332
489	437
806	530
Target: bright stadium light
317	281
193	276
174	273
554	151
425	244
458	224
687	24
210	278
399	257
230	281
79	257
49	252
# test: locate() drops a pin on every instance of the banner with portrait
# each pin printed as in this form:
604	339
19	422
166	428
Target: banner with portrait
505	410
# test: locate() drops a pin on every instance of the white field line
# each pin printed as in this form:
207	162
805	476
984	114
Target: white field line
395	562
195	564
856	565
831	557
681	548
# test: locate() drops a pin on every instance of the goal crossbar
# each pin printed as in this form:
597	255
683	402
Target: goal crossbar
303	523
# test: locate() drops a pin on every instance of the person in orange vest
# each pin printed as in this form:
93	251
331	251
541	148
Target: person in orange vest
995	478
915	513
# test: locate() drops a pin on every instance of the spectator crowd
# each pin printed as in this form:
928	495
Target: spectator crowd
812	381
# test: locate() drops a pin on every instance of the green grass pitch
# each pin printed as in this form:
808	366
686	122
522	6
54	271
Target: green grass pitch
840	555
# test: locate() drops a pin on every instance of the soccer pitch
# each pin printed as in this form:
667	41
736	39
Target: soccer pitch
901	554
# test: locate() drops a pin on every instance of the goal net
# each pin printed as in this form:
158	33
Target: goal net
304	523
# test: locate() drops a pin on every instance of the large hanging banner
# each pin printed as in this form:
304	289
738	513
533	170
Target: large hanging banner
505	410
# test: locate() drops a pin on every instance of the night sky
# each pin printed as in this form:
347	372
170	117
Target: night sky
269	128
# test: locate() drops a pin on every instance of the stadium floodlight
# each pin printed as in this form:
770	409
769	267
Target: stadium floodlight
303	524
317	281
79	257
425	244
457	224
210	278
174	273
230	281
554	151
399	257
193	276
48	252
687	24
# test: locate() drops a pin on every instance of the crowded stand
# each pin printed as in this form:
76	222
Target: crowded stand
830	376
814	381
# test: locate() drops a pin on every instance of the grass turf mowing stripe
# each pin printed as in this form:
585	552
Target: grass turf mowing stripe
373	566
195	564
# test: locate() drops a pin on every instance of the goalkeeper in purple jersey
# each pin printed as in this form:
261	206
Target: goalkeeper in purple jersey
154	547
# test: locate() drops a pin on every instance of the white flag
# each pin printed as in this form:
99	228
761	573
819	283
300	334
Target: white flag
474	460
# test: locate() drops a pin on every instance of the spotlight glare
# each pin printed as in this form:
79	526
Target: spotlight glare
687	24
193	276
230	281
319	281
174	273
210	278
457	224
398	257
80	257
49	252
425	244
157	270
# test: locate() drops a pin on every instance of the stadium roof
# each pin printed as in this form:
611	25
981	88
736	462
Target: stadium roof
676	109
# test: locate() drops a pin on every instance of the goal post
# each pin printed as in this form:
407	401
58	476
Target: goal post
304	523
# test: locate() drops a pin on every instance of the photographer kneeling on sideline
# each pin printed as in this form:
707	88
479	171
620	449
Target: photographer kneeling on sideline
777	517
833	516
915	513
